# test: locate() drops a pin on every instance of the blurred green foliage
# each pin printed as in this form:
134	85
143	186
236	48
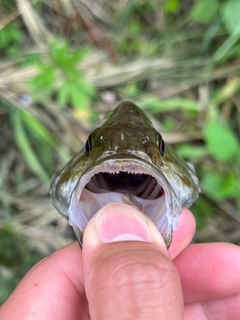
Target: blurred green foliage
218	181
61	63
222	16
172	6
29	132
11	40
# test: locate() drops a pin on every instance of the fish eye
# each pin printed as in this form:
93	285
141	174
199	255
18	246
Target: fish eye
88	146
162	147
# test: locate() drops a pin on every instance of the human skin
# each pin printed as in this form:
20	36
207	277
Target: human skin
112	278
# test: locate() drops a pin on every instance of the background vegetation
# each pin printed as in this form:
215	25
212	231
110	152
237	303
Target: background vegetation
65	63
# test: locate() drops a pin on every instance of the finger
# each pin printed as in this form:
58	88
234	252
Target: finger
209	271
127	272
184	233
224	309
53	289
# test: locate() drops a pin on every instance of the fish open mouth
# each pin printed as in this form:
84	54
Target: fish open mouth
130	181
141	185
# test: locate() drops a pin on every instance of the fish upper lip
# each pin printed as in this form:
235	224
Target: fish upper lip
126	157
126	154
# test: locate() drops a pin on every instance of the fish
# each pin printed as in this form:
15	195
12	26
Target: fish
125	160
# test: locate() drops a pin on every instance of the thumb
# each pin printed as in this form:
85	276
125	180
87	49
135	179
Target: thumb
127	272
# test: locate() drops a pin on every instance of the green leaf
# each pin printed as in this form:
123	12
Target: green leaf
124	15
238	158
219	186
64	94
156	105
63	57
230	15
204	11
221	141
78	93
10	36
79	99
78	56
192	152
26	148
172	6
43	84
34	125
45	138
86	88
226	47
59	53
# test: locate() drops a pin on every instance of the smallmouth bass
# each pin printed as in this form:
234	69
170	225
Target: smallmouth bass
125	160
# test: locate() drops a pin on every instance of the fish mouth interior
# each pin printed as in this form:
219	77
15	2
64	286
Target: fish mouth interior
142	185
139	187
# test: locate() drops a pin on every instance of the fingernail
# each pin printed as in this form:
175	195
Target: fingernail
118	222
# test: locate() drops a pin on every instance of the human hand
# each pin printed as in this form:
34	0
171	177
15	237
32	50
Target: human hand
131	280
